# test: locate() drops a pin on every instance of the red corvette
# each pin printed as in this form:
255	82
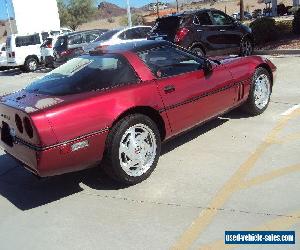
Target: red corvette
119	103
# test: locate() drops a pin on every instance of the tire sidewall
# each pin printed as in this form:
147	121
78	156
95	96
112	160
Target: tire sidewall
251	98
115	144
27	64
196	50
242	53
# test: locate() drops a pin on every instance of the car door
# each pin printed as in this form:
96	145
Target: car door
189	96
75	45
204	31
227	34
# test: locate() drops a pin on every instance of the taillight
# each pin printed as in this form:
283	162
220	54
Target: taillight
19	123
49	46
66	52
180	34
13	54
28	127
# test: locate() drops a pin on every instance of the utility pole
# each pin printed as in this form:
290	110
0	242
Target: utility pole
177	7
241	10
157	10
8	16
129	14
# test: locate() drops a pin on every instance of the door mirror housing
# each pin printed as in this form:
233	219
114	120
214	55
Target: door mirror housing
207	67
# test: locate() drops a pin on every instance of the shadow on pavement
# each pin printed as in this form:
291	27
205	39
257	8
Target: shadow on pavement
26	191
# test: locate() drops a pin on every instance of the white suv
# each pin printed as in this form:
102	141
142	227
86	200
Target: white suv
24	51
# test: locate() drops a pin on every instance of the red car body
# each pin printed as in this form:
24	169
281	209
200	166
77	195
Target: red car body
58	122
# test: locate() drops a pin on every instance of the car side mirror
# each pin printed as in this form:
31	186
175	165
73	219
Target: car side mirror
207	67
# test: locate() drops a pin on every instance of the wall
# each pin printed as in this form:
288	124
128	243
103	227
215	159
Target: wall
35	15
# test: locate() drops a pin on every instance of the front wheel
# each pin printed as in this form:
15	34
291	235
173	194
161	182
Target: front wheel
260	92
132	149
246	47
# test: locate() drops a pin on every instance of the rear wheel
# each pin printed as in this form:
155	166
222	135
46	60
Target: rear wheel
198	51
260	92
31	64
132	149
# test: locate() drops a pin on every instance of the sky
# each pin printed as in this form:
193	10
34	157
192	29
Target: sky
121	3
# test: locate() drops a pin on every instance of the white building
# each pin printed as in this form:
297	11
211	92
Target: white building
34	16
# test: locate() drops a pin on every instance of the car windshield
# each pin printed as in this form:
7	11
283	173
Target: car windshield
106	36
84	74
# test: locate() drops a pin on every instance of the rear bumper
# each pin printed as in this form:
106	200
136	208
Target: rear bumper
58	159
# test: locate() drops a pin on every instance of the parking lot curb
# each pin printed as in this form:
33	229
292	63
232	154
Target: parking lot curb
277	52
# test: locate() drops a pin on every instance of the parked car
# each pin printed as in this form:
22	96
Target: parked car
24	51
47	51
247	16
205	32
3	60
116	36
257	13
119	103
71	45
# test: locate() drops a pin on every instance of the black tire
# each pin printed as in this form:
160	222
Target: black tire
246	47
31	64
198	51
3	68
111	161
250	105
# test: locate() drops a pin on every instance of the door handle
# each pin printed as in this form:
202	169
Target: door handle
169	89
199	30
222	30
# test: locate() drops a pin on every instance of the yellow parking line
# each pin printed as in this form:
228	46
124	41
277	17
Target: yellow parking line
207	215
270	176
279	223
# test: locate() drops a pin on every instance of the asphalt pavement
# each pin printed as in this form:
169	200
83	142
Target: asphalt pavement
233	173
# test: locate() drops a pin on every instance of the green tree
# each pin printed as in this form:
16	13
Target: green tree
64	15
135	18
75	12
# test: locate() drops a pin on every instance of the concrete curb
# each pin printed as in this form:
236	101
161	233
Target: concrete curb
277	52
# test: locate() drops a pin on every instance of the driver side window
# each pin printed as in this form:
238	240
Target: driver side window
169	61
221	19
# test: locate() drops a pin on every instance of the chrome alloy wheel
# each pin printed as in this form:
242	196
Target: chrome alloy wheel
262	90
246	47
137	150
